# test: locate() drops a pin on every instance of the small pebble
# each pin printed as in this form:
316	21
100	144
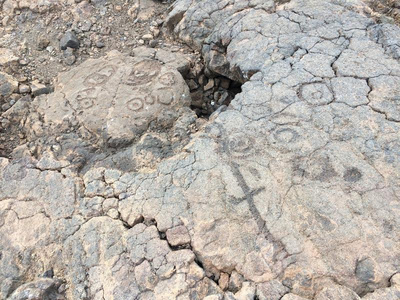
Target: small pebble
24	88
147	37
100	44
153	43
23	62
69	40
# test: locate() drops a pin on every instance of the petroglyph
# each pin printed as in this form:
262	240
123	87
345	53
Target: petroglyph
100	77
143	72
290	192
113	105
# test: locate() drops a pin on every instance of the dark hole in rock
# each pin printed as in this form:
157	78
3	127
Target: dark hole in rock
180	247
149	222
163	236
126	225
210	91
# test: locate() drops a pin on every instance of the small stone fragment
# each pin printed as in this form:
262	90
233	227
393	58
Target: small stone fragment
223	281
69	40
224	83
38	88
23	62
395	280
247	292
365	270
100	44
209	85
292	297
336	292
8	85
178	236
7	56
153	43
147	37
69	57
43	43
235	282
24	88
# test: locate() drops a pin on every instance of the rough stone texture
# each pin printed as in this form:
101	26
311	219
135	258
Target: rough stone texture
7	56
178	236
112	102
114	98
44	288
10	6
69	40
8	85
294	189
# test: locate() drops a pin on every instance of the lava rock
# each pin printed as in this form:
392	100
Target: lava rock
69	40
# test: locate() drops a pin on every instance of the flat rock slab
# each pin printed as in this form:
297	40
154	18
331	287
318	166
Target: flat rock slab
115	98
291	193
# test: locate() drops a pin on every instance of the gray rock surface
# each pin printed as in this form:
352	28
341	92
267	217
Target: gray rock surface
112	102
8	85
291	193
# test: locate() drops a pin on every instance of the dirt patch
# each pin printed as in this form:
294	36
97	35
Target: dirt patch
384	9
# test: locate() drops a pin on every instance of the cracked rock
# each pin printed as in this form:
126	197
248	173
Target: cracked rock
292	192
178	236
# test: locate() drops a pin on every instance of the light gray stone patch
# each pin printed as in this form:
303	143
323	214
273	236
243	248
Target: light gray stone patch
350	91
385	96
316	94
389	36
336	292
318	65
364	59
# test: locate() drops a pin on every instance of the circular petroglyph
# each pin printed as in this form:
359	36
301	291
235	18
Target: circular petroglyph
167	79
164	96
143	72
86	98
286	135
352	175
86	93
86	103
149	99
135	104
100	77
95	79
240	144
316	94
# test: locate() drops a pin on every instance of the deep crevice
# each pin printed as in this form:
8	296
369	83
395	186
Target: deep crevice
209	90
